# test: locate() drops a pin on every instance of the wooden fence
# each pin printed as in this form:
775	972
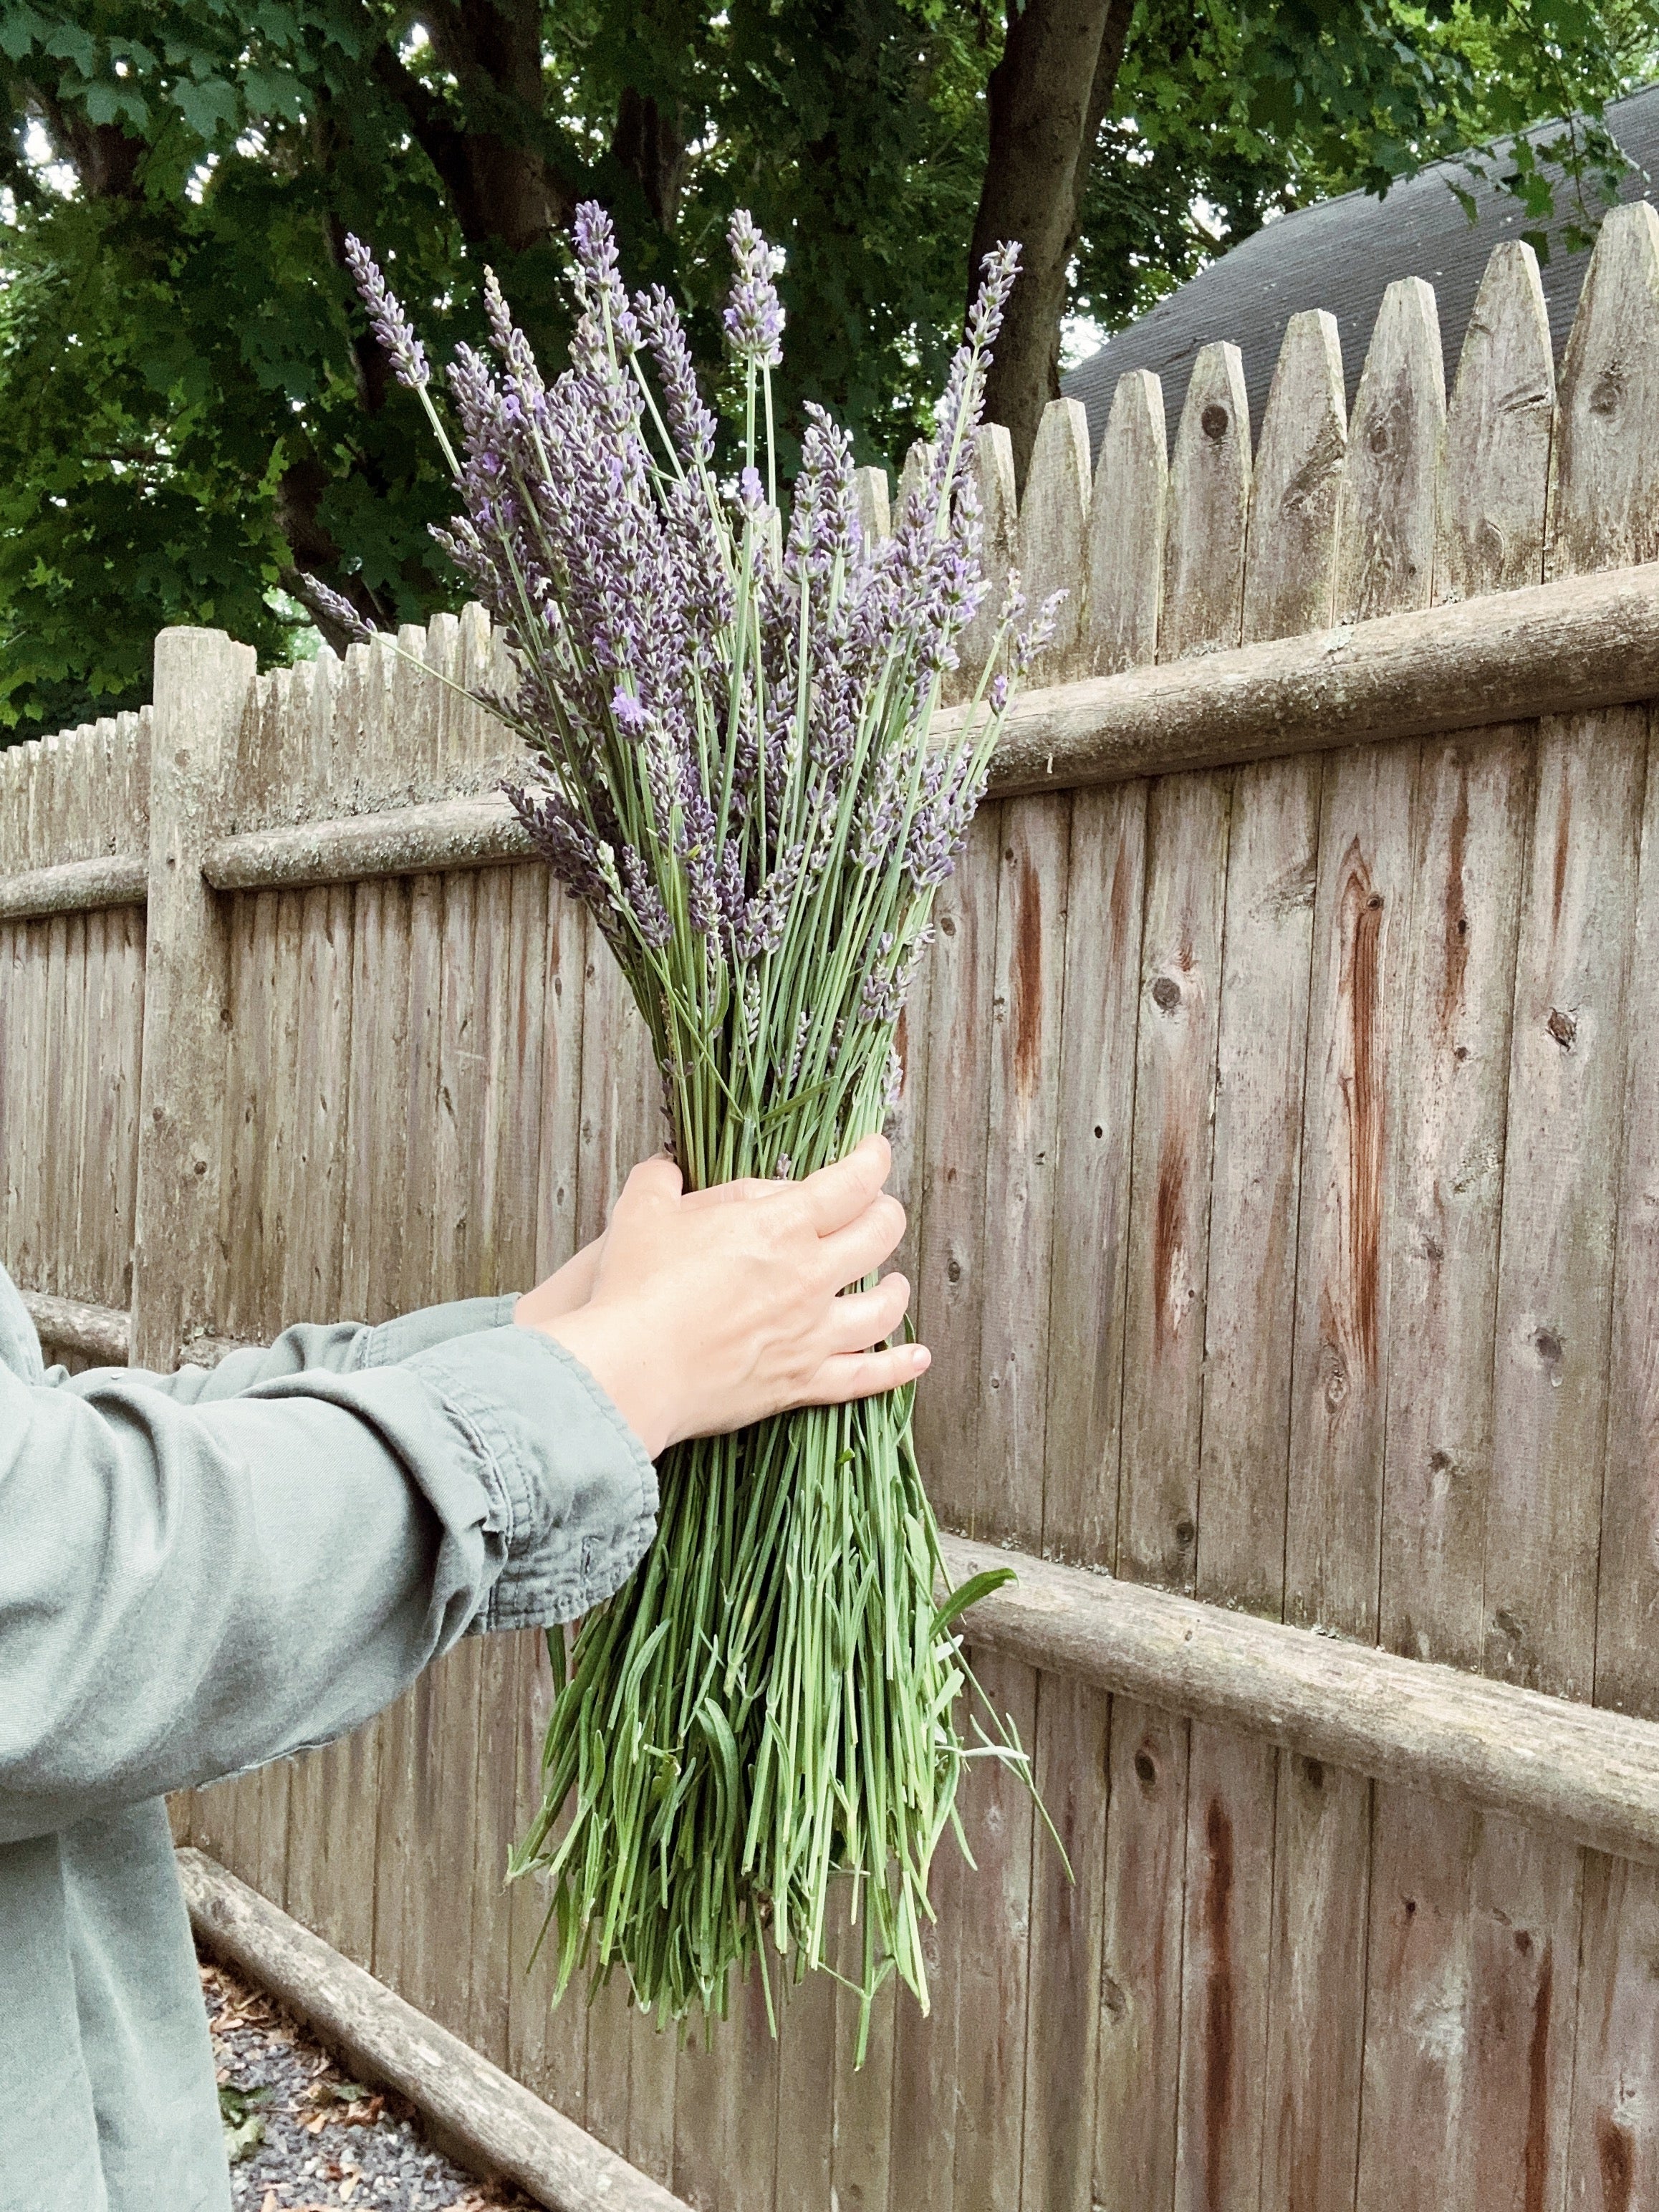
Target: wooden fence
1281	1134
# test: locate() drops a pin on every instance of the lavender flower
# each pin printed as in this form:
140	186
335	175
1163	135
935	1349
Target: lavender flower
386	317
754	320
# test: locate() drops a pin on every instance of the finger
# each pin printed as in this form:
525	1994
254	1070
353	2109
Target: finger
656	1182
839	1193
859	1249
860	1319
865	1374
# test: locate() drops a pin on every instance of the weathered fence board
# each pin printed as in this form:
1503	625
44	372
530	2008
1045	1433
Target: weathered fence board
1279	1143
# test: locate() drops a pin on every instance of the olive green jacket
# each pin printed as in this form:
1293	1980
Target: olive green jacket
204	1571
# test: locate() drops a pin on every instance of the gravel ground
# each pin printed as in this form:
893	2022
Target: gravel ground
303	2136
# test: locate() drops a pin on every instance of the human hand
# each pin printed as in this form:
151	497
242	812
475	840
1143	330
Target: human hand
713	1309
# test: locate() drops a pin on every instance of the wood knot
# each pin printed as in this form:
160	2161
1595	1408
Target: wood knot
1185	1533
1214	423
1166	993
1563	1028
947	926
1146	1769
1607	391
953	1271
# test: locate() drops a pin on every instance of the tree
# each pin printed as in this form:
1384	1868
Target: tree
195	414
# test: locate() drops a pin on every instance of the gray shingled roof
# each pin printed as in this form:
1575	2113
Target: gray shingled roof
1341	254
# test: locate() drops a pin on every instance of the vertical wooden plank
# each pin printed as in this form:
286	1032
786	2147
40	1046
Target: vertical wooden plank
1603	514
407	1160
1385	555
1126	515
871	503
922	2175
1225	1950
1524	1914
551	2045
994	481
1473	1930
862	2127
1417	2004
1604	502
1250	1295
1627	1584
1086	1345
1169	1220
1290	575
1340	1362
1494	479
1209	506
748	2182
1186	872
1053	534
1063	2014
1315	2027
1340	1400
1614	2160
949	1295
994	1968
1554	1295
1106	903
512	926
805	2140
1140	1961
1227	2078
1101	999
201	684
1024	1046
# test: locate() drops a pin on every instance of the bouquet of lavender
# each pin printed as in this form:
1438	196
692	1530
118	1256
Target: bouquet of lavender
731	766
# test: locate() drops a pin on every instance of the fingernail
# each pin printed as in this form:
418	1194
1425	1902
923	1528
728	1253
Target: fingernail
922	1357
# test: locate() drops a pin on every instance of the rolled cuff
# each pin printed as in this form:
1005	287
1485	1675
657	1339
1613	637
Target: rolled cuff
572	1492
391	1342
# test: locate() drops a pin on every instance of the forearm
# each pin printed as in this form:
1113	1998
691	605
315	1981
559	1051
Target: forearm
189	1589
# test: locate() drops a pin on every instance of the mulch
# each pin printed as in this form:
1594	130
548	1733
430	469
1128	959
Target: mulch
303	2136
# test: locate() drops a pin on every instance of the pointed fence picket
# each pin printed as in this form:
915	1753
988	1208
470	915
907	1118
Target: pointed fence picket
1279	1148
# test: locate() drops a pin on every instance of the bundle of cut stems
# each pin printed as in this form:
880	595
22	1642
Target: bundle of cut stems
733	766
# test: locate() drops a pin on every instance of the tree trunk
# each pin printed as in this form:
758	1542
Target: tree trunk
500	184
1047	99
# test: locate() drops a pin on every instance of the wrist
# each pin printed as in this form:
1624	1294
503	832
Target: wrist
610	1352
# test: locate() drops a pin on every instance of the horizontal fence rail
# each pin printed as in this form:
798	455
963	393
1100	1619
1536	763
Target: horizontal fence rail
75	887
1588	1775
497	2126
1556	649
97	1332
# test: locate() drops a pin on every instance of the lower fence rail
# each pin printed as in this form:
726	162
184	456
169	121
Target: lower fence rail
493	2122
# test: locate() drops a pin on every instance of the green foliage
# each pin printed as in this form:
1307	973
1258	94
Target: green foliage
1227	114
191	412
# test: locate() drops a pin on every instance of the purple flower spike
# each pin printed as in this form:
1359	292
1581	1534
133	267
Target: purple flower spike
386	317
754	321
322	599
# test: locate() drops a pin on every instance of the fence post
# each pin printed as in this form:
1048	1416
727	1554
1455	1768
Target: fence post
202	681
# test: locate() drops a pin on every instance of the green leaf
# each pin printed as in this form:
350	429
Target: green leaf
243	2129
110	101
19	29
970	1593
208	107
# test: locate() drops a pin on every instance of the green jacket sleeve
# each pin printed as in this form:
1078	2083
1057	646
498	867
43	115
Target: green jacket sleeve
202	1573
